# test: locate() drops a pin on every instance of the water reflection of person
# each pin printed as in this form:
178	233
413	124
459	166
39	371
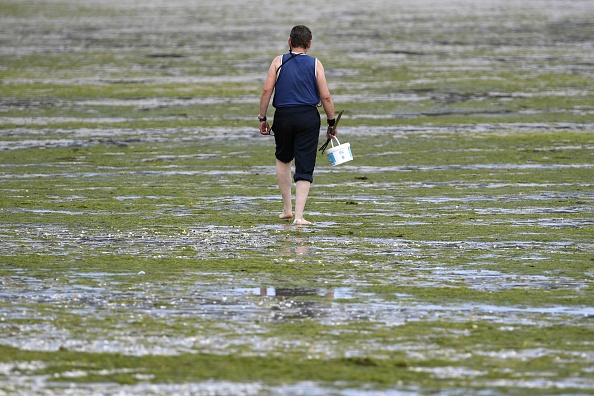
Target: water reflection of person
299	84
283	292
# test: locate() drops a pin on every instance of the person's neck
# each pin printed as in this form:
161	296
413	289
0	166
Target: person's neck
298	50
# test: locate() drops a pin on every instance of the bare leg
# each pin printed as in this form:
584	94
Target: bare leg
283	177
300	200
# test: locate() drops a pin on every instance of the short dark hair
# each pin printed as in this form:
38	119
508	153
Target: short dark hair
300	36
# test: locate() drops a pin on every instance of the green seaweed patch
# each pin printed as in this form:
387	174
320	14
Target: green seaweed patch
202	367
381	369
510	296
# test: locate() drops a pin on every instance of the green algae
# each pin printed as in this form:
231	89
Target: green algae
116	210
387	369
197	367
139	232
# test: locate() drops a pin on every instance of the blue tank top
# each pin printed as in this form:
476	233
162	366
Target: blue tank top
296	83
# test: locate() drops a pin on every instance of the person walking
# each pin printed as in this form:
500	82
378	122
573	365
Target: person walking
299	85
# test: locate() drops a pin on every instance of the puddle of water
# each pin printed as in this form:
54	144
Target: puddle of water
424	168
249	301
206	388
23	138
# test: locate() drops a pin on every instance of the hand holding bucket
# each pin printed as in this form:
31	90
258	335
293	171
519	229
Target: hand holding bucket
341	152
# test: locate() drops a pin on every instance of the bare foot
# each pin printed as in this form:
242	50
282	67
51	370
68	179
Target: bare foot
301	221
285	216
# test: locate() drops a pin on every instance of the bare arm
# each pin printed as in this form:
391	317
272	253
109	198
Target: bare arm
325	96
267	94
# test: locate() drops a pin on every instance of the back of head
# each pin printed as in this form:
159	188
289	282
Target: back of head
300	36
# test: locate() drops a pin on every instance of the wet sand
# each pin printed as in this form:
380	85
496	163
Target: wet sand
139	206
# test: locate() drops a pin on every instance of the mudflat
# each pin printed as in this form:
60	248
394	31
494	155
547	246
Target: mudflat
141	251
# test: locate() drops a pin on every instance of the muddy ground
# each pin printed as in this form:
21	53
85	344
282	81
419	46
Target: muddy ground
140	249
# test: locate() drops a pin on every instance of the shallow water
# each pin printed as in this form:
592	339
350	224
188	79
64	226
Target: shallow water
163	240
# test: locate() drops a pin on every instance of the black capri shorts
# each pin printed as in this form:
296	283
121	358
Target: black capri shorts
296	132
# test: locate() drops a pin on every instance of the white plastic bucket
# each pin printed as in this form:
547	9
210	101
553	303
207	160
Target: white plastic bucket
339	154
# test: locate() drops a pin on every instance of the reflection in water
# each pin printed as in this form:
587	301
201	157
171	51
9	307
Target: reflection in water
283	292
284	306
301	247
301	250
294	292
